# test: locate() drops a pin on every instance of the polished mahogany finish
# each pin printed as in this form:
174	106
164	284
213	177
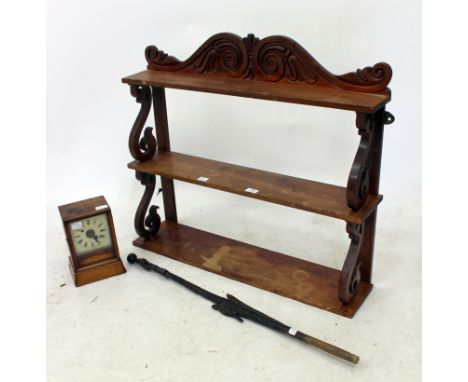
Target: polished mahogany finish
284	92
288	276
273	68
308	195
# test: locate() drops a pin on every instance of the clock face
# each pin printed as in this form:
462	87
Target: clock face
90	234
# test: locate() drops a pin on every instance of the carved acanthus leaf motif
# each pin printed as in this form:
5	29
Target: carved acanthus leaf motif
159	57
275	61
224	54
250	41
373	78
274	58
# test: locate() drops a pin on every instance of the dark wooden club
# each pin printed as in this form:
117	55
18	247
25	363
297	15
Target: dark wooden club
235	308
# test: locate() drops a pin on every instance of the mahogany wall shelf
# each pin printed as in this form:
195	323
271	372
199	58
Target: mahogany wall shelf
275	68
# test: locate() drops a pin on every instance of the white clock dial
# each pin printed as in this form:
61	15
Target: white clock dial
90	234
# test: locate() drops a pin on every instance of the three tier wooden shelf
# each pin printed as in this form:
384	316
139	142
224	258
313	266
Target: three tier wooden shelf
274	68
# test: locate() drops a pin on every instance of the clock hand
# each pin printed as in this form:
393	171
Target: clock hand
96	238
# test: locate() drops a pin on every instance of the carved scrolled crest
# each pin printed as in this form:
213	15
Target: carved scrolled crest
157	58
224	54
279	58
371	78
273	59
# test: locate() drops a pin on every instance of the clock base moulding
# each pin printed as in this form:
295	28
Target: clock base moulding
96	272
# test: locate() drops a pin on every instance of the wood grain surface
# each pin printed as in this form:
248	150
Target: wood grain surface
308	195
284	92
288	276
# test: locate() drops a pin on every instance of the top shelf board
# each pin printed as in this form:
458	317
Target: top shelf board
283	92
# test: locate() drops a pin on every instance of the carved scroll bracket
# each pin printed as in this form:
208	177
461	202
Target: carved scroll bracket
359	177
142	148
350	274
358	181
147	227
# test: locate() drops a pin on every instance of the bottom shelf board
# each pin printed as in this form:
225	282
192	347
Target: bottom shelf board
309	283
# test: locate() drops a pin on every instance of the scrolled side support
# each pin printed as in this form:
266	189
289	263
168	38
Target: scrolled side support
350	275
359	177
142	148
147	226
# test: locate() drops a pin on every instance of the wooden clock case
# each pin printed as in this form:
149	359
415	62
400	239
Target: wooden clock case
101	263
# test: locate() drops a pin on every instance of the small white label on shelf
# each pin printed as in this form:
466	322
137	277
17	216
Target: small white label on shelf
292	331
202	179
76	225
251	190
101	207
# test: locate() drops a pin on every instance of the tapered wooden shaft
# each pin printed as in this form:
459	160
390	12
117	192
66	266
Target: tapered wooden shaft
326	347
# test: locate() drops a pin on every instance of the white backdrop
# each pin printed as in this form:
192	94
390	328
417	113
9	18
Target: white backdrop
93	44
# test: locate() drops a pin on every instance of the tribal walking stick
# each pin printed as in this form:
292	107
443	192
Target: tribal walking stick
235	308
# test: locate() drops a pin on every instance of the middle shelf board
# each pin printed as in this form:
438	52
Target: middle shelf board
307	195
